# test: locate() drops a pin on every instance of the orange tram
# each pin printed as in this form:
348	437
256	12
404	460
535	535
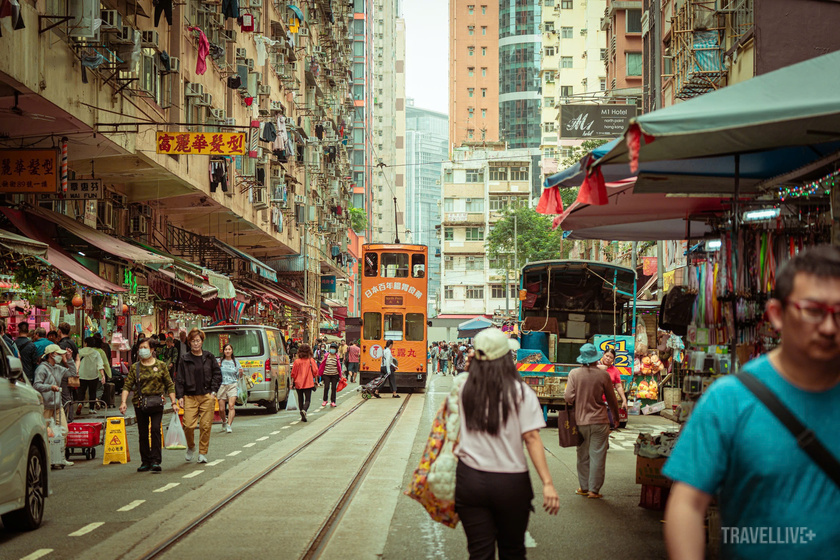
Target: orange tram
393	307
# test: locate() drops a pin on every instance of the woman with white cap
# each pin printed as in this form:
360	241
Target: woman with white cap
56	366
493	490
585	390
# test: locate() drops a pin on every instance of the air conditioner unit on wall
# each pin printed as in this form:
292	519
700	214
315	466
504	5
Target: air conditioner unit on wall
139	225
150	39
303	32
111	20
105	215
218	114
260	202
174	64
205	100
264	90
228	35
241	54
193	89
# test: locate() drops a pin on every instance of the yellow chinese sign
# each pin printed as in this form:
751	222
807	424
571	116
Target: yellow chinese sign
29	171
202	143
668	280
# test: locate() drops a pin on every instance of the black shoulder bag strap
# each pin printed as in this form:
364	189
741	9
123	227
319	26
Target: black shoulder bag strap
805	437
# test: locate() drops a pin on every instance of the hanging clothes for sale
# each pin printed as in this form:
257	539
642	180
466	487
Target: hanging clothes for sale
260	41
163	7
281	142
165	61
203	51
218	174
92	61
267	132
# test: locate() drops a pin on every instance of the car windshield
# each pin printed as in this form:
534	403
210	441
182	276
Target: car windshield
247	343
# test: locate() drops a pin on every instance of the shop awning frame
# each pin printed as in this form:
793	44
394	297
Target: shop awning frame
22	245
257	266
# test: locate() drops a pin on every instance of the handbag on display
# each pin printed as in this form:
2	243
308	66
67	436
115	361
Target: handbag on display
567	427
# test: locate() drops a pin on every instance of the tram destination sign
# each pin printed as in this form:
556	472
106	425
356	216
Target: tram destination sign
594	121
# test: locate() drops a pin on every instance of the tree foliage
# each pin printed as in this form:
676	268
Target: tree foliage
358	220
535	240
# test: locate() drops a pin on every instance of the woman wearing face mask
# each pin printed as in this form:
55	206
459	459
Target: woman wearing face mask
330	371
148	377
231	372
320	354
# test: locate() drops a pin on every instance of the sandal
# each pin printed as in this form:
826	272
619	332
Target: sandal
580	492
595	496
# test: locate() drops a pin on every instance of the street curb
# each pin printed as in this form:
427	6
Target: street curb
129	420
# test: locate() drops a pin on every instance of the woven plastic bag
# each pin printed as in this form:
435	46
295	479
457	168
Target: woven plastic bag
291	402
175	437
242	391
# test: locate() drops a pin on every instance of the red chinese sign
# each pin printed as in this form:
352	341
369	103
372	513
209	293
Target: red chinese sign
650	266
201	143
29	171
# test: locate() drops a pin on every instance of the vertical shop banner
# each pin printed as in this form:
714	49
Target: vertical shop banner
29	171
650	265
201	143
328	284
625	349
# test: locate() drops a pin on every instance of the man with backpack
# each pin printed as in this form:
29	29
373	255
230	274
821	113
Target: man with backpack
28	352
764	441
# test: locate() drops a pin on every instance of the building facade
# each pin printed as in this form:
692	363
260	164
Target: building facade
144	118
480	182
473	71
426	150
520	97
622	23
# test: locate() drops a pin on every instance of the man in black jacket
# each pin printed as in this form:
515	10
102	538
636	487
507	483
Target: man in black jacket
197	380
28	352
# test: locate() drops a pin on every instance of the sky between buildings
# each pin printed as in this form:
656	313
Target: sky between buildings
427	53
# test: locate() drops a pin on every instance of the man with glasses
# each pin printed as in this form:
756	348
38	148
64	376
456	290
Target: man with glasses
774	498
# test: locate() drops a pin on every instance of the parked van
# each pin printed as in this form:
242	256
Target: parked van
261	350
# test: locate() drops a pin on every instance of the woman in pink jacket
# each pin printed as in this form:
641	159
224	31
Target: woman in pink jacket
304	371
330	371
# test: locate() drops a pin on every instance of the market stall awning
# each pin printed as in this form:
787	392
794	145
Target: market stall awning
256	265
279	293
203	290
632	216
572	176
105	242
22	245
469	329
56	256
786	118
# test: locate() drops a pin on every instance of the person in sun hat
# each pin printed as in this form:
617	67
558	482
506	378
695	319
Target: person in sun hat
585	390
50	376
498	413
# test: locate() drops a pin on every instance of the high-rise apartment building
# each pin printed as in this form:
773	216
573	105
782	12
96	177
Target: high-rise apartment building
479	184
519	73
623	25
427	148
473	71
573	51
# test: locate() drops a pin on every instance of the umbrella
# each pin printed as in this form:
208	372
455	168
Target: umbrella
469	329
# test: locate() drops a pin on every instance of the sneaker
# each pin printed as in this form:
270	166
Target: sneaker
190	454
67	463
202	458
303	416
333	405
144	467
324	403
224	427
156	468
228	428
396	396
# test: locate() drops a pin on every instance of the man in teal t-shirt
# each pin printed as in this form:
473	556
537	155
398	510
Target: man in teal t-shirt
775	502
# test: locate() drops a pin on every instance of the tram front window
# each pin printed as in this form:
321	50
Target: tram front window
418	266
372	326
393	326
371	264
414	323
394	265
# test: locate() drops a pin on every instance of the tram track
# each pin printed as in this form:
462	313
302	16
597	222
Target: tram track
321	539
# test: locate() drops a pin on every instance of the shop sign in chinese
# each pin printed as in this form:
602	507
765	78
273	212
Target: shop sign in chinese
594	121
84	189
202	143
649	266
29	171
328	284
143	293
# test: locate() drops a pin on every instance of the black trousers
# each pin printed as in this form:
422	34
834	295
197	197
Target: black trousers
90	386
392	379
330	387
163	7
304	396
149	456
494	509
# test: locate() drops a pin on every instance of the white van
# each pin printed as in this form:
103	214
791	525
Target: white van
261	350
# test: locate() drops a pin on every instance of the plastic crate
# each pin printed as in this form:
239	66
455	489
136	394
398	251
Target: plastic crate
84	434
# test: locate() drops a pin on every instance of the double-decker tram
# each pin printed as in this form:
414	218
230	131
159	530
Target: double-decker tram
393	306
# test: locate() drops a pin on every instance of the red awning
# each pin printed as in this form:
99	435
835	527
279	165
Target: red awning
35	228
631	216
276	292
456	316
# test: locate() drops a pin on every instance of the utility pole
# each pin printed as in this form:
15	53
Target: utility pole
396	225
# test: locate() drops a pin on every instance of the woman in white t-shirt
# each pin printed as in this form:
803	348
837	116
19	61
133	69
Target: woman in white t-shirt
499	413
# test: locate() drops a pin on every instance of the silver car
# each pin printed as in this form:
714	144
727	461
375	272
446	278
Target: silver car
24	460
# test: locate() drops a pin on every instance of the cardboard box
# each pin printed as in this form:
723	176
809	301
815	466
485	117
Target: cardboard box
654	497
580	317
649	472
654	408
575	329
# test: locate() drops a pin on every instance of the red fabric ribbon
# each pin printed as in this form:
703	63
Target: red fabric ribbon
550	201
593	190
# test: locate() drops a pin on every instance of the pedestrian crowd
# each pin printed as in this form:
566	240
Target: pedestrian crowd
449	358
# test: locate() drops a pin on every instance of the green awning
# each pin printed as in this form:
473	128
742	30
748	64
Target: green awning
798	105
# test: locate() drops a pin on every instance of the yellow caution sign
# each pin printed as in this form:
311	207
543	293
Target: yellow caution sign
116	442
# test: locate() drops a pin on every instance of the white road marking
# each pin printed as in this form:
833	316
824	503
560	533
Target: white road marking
169	486
275	433
252	444
132	505
214	463
262	438
529	540
234	453
285	428
40	553
87	529
192	474
295	422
